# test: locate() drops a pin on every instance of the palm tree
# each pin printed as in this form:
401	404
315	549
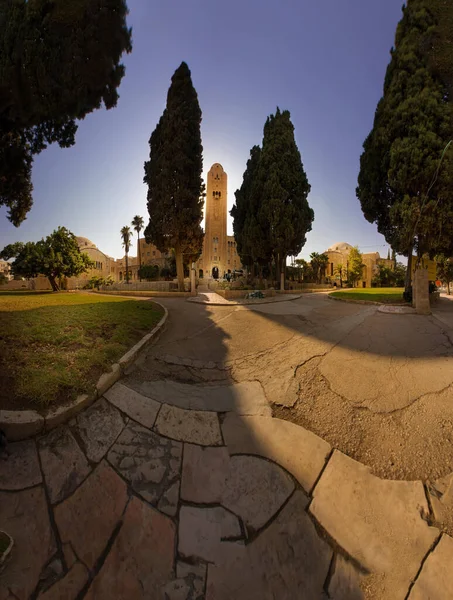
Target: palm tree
323	261
138	224
126	235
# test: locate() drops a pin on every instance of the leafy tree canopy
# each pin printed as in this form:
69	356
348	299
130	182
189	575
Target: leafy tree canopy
173	174
59	61
56	256
403	187
355	265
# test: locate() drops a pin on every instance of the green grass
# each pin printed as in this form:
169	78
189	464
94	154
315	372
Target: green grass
384	295
55	346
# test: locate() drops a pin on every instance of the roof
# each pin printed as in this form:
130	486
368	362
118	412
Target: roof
83	241
339	246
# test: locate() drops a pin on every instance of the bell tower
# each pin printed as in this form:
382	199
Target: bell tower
215	239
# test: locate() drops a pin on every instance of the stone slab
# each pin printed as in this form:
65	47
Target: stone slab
190	583
377	522
20	469
20	424
25	516
441	498
287	561
151	463
246	398
300	452
205	473
345	583
436	577
201	531
63	463
140	562
106	380
69	586
98	427
256	489
249	486
189	426
87	519
137	407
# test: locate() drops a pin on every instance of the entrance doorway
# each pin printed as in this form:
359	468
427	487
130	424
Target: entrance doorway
215	272
200	273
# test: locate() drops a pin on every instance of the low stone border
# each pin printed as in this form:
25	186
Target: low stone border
22	424
372	302
244	302
144	294
392	309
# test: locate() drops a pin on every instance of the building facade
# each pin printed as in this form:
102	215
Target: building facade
219	256
339	255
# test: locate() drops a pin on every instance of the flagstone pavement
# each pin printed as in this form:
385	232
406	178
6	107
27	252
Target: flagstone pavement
175	489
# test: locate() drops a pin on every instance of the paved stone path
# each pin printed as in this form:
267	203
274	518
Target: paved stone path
179	484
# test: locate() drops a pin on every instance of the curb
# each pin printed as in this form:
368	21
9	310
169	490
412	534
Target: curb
23	424
366	302
257	302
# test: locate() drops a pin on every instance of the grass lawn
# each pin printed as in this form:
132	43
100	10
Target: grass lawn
385	295
54	346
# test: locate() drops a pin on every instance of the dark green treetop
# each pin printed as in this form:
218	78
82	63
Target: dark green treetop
403	186
173	174
59	61
282	188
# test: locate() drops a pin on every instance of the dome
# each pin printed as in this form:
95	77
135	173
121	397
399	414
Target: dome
339	247
84	242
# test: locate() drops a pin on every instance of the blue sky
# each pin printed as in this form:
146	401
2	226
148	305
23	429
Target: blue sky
323	60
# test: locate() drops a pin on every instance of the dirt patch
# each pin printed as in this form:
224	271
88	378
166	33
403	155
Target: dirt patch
409	444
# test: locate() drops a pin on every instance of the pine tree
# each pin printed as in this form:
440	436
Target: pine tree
403	186
59	61
282	188
173	174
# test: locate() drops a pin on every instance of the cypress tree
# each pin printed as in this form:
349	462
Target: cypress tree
403	185
247	232
59	61
173	174
282	189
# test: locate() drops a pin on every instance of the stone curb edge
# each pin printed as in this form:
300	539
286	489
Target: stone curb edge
248	303
23	424
366	302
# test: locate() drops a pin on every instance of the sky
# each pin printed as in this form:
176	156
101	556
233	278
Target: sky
323	60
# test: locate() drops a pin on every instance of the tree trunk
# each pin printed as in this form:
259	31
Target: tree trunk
179	267
448	288
408	280
282	273
139	256
53	283
127	269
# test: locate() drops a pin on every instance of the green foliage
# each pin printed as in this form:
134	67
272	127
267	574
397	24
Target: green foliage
319	264
96	281
397	187
165	272
149	272
249	235
271	214
126	237
3	279
59	61
355	266
445	270
57	256
138	223
173	175
387	277
283	188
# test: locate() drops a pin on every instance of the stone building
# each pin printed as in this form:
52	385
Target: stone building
339	254
219	255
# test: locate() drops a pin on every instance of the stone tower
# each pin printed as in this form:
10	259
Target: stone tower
215	239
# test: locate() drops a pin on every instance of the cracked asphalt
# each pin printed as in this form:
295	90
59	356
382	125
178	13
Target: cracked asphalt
376	386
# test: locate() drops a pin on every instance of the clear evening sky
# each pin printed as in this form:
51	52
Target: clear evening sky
323	60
